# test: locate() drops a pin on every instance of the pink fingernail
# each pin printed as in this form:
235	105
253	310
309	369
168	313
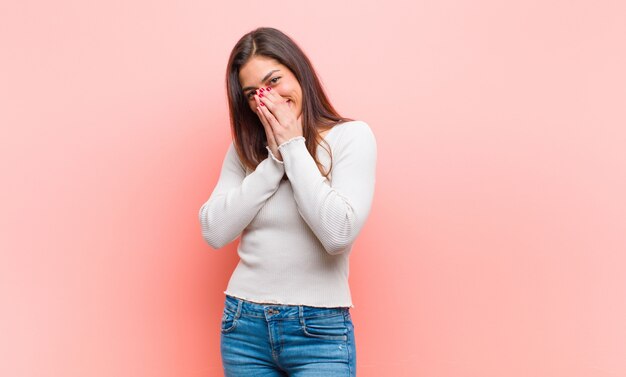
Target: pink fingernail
262	104
268	88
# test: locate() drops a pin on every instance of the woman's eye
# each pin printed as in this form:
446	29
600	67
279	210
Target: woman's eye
275	80
251	94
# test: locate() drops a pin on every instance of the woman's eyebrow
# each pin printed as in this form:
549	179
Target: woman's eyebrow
264	78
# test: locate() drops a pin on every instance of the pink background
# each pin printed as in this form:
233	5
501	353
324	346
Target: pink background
496	245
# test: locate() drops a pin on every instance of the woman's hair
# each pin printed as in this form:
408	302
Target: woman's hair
317	112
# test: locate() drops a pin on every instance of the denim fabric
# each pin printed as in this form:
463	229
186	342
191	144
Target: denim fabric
286	340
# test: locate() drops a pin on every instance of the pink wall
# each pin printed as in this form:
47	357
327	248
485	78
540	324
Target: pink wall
496	245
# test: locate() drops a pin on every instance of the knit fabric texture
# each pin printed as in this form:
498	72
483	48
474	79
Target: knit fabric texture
296	235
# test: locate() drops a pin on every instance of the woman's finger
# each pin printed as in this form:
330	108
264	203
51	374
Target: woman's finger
270	94
266	100
263	119
269	134
271	119
279	115
273	101
266	125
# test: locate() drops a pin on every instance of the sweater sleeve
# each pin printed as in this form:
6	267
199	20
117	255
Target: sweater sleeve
237	198
335	211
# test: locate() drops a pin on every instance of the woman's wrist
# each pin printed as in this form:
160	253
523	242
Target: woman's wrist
289	141
275	155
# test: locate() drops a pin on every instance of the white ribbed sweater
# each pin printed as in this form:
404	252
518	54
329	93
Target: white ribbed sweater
296	234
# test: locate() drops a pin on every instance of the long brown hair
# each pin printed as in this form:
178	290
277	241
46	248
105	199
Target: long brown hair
318	114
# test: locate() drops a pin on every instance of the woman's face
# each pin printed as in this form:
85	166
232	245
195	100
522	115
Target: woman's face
260	72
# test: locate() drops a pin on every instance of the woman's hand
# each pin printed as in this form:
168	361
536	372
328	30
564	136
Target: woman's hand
271	140
276	112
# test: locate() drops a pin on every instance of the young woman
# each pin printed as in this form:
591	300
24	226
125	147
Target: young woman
297	184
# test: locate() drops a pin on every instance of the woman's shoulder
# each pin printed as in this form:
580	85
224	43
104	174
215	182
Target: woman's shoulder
351	129
350	126
353	123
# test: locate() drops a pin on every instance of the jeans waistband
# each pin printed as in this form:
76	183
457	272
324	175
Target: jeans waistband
241	306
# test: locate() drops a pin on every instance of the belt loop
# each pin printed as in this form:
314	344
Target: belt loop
301	314
239	304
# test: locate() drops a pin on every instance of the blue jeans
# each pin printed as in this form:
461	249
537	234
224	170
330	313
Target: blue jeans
286	340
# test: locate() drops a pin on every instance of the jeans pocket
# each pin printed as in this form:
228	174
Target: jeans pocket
326	327
229	321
